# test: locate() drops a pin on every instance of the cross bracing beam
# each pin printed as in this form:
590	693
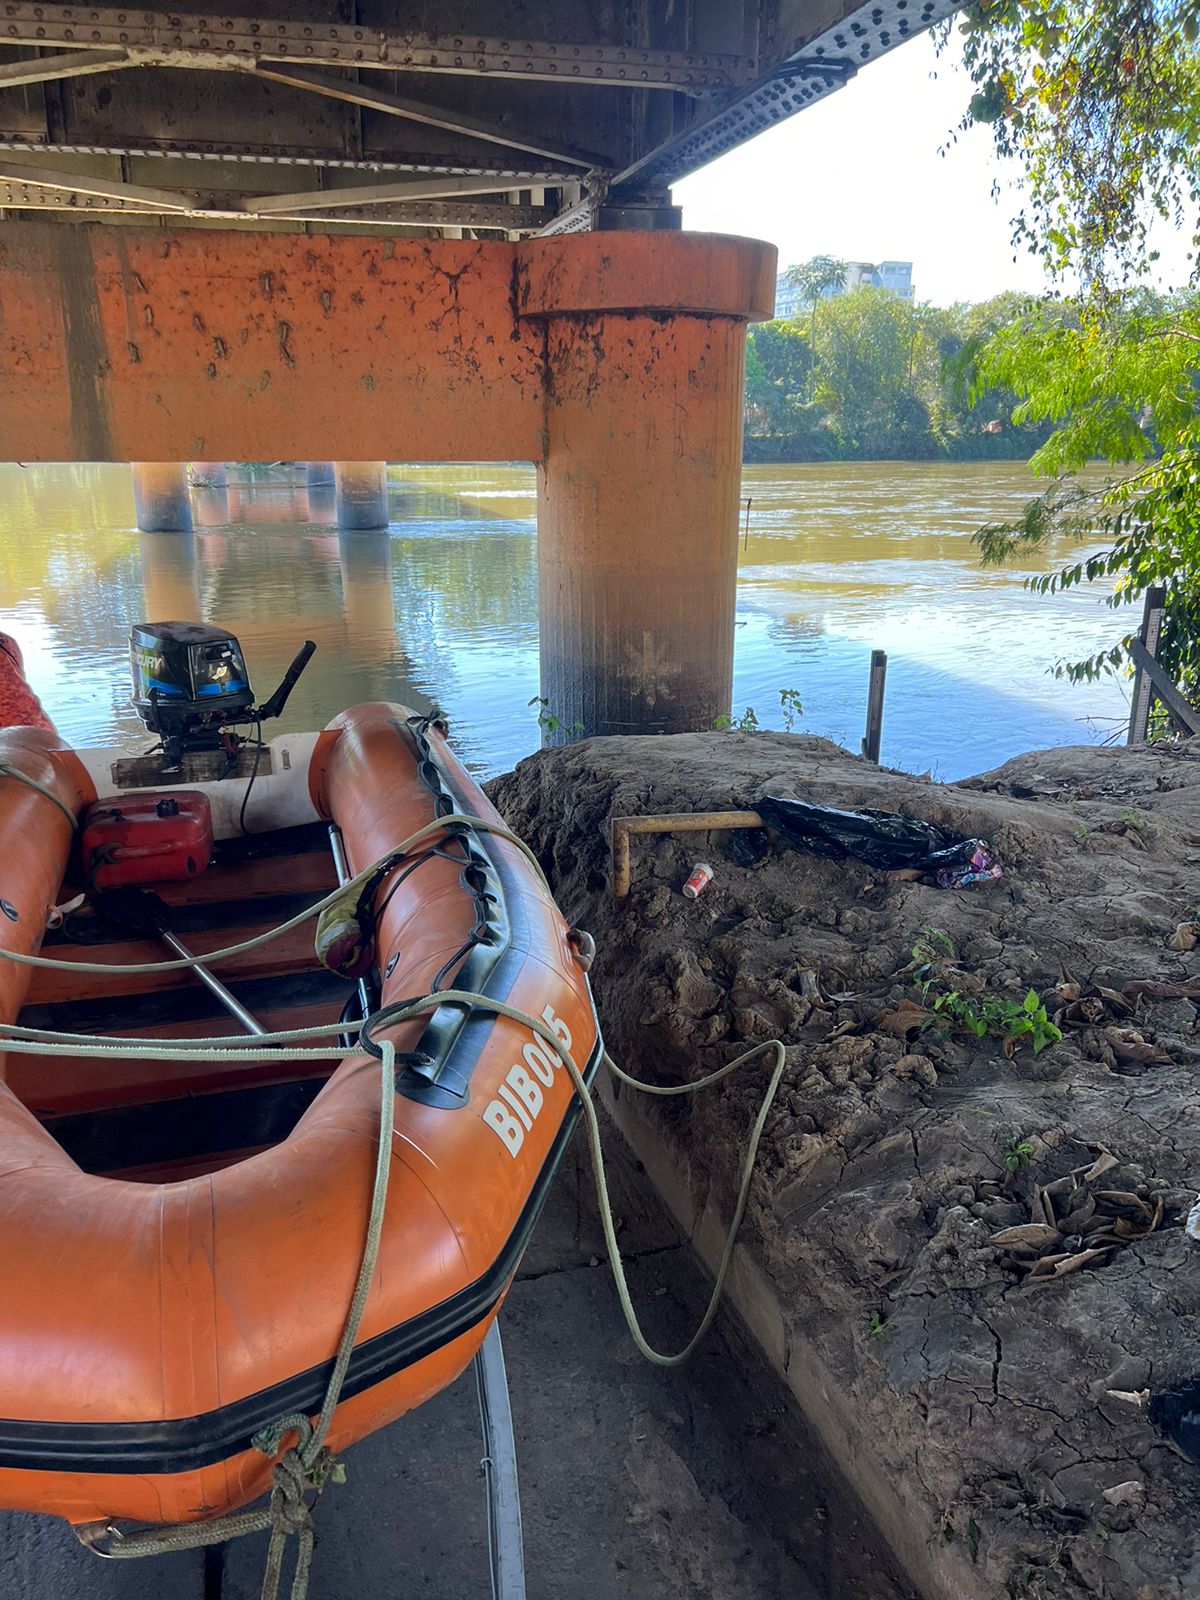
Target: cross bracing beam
479	216
362	94
172	39
518	176
269	205
99	187
452	201
68	64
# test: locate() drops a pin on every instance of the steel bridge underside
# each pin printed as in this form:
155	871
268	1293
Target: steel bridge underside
468	119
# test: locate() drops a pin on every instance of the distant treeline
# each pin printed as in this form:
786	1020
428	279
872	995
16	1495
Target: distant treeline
866	376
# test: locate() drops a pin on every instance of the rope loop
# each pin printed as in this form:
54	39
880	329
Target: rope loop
268	1440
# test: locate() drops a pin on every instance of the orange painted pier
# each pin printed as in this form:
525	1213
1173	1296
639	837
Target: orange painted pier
611	360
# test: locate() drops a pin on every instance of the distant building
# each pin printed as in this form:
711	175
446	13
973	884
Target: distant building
894	276
788	300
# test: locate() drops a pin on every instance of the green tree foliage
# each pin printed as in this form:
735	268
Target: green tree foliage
1123	389
888	381
816	279
1100	105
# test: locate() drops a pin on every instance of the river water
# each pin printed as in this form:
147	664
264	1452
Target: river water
838	560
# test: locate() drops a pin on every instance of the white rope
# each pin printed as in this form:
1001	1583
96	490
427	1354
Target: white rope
7	770
35	1041
207	959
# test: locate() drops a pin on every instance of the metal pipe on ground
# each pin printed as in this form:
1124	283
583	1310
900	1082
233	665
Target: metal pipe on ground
668	822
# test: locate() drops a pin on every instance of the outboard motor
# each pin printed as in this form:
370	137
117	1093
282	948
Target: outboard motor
191	687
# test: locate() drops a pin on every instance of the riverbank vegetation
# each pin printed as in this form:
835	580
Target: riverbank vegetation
1099	104
867	376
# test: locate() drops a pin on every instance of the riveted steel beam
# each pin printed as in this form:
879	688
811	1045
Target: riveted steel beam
68	64
518	176
175	39
24	197
362	94
82	183
817	66
480	216
267	205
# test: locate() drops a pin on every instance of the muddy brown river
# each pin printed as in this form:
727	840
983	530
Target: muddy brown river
838	559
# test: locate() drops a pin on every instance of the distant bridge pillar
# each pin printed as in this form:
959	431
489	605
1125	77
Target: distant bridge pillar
367	599
160	497
361	492
318	474
639	489
208	475
170	583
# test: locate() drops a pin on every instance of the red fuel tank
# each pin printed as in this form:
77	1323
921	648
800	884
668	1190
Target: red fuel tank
152	838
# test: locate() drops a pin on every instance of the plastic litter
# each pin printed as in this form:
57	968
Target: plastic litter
882	839
699	879
981	868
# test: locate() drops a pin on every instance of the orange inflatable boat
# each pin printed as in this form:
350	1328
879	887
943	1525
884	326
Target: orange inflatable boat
180	1238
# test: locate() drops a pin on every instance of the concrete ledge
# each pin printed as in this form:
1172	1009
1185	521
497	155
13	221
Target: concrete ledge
749	1289
681	274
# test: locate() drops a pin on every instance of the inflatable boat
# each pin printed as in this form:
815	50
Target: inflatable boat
180	1238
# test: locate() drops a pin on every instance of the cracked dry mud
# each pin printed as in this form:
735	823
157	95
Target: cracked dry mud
1003	1407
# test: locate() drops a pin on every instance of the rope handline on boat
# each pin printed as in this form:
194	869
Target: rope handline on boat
7	770
394	856
36	1041
305	1467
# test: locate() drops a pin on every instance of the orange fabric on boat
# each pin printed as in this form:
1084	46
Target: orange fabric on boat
130	1305
19	706
35	842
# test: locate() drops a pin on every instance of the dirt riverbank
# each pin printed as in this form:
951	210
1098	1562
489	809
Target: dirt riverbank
979	1251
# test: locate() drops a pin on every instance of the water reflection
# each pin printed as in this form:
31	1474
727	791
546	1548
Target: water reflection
442	608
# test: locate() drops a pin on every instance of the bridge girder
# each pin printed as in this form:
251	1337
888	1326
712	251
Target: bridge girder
461	126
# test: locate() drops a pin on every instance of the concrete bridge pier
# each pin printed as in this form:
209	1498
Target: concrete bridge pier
639	489
160	497
209	475
318	474
368	602
360	489
210	507
170	581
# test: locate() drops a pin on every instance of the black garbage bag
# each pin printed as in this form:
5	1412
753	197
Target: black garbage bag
880	838
1177	1413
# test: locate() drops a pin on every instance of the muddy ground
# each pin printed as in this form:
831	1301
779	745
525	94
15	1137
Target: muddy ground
1006	1384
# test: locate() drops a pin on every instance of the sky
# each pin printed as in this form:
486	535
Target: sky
859	176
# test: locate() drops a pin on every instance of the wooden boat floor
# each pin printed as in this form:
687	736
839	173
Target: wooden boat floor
157	1120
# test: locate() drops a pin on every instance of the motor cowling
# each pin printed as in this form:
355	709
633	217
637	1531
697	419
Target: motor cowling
189	680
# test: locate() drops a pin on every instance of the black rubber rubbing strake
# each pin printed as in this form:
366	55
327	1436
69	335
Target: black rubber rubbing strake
188	1443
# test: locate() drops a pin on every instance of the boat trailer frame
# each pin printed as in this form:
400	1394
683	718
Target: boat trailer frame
498	1465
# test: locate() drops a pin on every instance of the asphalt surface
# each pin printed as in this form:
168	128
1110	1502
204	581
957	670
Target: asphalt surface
636	1483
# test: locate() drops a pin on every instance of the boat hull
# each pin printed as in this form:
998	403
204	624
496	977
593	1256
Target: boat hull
150	1328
